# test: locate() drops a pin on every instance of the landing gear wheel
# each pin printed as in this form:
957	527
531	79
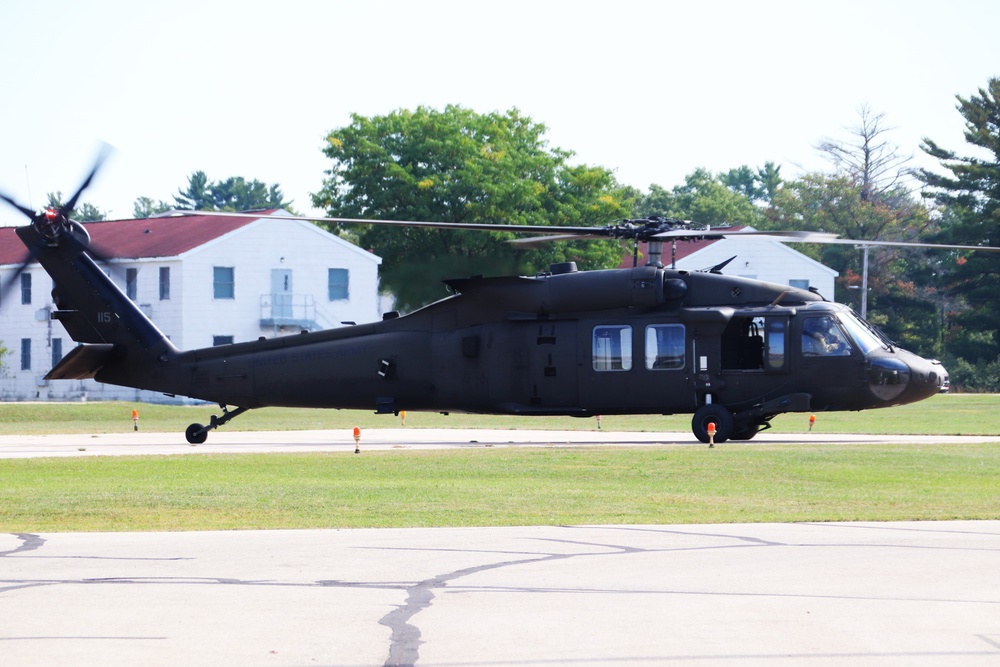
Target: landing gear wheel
710	413
195	435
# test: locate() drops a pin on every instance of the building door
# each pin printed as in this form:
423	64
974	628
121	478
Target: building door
281	293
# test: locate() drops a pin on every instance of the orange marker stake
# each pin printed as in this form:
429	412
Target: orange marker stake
357	440
598	418
135	420
812	422
711	434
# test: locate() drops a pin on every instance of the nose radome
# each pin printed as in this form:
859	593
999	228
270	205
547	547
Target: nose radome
927	376
928	373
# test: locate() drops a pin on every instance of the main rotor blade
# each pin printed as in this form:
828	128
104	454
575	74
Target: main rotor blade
725	233
471	226
534	241
896	244
607	231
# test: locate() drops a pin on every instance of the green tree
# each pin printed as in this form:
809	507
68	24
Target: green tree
233	194
703	198
969	194
460	166
197	196
238	194
759	186
144	207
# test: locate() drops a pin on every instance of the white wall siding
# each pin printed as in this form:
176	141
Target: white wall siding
253	252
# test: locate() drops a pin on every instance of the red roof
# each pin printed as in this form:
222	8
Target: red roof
133	239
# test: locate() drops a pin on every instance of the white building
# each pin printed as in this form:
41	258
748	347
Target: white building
203	280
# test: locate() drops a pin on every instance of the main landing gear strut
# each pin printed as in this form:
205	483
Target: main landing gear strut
197	434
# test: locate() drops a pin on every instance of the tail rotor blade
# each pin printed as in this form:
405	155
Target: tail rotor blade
68	207
7	287
23	209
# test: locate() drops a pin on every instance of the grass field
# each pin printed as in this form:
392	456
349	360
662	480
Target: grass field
951	414
499	486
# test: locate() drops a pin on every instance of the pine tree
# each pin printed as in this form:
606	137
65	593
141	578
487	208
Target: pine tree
969	195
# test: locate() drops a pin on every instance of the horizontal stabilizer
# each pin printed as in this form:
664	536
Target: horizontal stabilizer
82	363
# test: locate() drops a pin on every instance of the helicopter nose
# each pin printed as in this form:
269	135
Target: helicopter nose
905	378
929	376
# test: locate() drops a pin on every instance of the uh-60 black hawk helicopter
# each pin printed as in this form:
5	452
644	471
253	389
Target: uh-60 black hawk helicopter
734	352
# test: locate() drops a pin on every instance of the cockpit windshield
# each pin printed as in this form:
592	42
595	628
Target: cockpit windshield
865	335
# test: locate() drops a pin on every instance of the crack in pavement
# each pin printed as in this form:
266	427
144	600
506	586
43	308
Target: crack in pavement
29	542
404	643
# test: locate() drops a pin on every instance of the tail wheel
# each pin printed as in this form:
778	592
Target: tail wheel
196	434
712	414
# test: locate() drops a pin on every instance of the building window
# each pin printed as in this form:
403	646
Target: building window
798	282
25	288
223	282
164	283
25	354
222	340
57	354
664	347
338	284
131	283
613	348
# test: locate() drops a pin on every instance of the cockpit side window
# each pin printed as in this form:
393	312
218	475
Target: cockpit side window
823	337
864	335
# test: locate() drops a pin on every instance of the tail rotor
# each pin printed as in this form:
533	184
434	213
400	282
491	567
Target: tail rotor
53	223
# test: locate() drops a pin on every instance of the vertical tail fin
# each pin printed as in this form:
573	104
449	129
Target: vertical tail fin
94	310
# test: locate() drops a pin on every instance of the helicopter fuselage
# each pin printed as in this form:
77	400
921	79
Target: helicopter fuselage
733	351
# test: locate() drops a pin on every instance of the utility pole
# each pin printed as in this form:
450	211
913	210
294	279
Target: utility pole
864	284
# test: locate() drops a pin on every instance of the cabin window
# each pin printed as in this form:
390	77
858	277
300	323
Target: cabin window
224	282
26	288
338	284
164	283
775	344
25	354
222	340
613	348
56	351
131	283
664	347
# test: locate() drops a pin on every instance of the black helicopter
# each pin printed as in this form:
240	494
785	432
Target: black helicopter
734	352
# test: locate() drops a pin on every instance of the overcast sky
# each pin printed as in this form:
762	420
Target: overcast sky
651	90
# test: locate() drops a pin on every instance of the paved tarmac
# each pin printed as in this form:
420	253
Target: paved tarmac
854	594
133	443
762	594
